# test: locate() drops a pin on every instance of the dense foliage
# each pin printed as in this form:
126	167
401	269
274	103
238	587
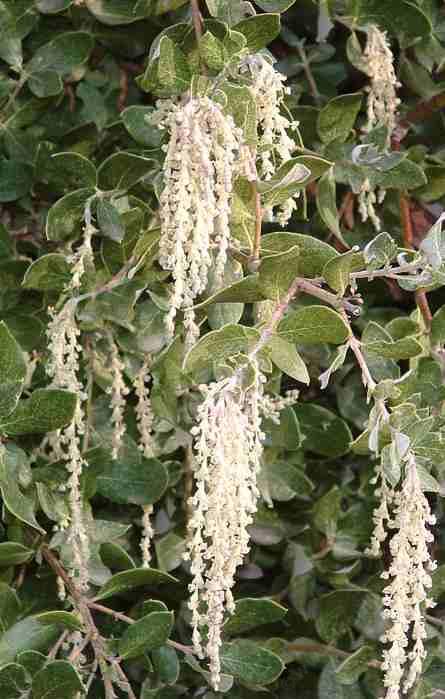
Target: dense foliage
222	271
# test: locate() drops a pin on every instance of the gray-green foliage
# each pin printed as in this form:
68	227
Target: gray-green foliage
79	82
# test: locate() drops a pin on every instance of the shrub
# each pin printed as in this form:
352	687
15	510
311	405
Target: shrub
221	348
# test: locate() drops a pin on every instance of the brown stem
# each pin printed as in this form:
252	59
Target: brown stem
123	91
308	73
405	215
255	257
81	603
355	346
408	239
57	646
196	18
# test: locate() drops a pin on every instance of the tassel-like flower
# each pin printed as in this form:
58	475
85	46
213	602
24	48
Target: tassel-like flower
196	201
118	392
63	367
144	412
382	93
275	146
228	447
144	418
407	592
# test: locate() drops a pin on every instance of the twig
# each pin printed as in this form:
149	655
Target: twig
196	18
308	287
120	278
82	605
188	650
57	646
308	73
255	257
355	346
123	92
408	238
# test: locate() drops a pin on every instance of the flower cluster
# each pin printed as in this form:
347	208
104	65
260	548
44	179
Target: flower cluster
275	146
118	392
195	203
144	419
63	367
382	94
405	513
368	198
409	581
228	447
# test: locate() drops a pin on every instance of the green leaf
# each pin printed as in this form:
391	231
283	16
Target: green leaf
275	5
250	663
170	551
136	121
48	273
327	204
66	215
19	504
277	273
314	324
123	582
259	30
406	348
52	6
211	50
124	170
405	175
290	178
27	634
337	118
62	171
242	107
110	221
396	17
336	272
337	613
325	433
173	72
9	607
47	410
314	253
15	180
13	681
283	481
59	678
12	371
166	663
438	327
285	356
329	686
251	612
380	251
64	53
327	511
13	554
69	620
46	83
220	345
351	669
152	631
141	483
114	12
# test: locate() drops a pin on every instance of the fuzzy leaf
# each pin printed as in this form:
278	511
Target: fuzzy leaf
314	324
152	631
